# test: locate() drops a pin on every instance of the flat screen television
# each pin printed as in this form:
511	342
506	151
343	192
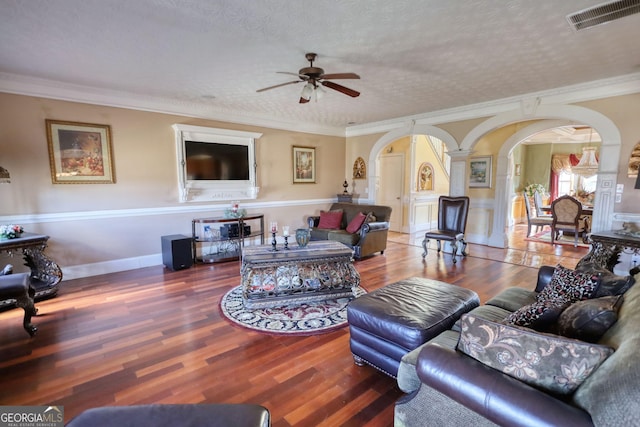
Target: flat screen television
215	164
212	161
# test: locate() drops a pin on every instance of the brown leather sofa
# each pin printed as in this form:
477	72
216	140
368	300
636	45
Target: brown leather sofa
170	415
372	236
448	388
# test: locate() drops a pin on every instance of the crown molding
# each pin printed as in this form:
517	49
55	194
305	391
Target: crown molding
597	89
44	88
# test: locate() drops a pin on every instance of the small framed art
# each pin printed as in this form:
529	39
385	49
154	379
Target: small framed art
480	172
80	153
304	165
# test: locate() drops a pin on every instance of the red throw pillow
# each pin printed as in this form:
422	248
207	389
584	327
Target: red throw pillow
356	223
330	220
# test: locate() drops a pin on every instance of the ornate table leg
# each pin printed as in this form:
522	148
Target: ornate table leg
602	255
43	269
26	303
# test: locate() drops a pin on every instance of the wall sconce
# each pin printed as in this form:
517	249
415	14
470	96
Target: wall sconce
5	178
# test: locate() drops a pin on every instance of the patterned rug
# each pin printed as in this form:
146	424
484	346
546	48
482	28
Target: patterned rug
308	318
545	237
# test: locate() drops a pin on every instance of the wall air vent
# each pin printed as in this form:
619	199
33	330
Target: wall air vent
603	13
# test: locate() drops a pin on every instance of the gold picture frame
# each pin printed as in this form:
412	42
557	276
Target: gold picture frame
80	153
304	165
425	177
359	169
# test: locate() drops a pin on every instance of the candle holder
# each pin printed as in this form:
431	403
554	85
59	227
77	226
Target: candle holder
273	242
286	243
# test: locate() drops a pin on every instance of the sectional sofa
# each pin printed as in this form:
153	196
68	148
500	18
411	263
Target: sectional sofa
449	382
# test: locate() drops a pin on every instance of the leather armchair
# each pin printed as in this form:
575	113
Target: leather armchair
16	287
452	223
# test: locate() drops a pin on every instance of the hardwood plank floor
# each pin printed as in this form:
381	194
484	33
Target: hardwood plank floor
153	335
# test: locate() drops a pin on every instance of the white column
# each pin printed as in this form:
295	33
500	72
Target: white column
498	237
458	177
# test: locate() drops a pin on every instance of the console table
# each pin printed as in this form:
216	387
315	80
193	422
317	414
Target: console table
606	247
45	273
319	271
226	242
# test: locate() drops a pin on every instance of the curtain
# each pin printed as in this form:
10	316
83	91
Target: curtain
560	163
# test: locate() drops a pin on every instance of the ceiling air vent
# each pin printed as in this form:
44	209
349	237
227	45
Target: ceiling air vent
603	13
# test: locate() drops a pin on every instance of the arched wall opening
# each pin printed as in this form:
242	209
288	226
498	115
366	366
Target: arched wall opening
550	116
418	209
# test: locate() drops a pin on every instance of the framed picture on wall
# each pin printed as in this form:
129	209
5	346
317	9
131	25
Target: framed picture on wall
480	172
80	153
304	165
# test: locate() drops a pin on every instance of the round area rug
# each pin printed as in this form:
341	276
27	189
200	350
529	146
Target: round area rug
307	318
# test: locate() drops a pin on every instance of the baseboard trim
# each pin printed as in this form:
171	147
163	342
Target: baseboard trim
111	266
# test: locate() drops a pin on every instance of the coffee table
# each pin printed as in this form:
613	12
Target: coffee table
317	272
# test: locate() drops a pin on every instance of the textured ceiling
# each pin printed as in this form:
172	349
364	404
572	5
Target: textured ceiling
414	56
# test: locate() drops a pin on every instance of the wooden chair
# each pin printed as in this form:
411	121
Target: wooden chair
534	220
452	222
567	216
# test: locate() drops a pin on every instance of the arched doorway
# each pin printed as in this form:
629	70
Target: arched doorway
550	116
413	202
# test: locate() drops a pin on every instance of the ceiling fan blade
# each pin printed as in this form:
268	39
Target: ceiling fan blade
340	76
280	85
340	88
302	76
303	101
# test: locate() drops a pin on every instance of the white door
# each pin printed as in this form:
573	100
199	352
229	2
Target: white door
391	187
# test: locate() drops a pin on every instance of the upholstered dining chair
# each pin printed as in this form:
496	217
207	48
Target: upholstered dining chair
537	201
534	220
567	216
452	222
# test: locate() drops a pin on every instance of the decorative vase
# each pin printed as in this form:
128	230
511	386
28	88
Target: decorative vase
302	236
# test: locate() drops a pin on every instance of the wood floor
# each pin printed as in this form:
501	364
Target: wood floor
155	335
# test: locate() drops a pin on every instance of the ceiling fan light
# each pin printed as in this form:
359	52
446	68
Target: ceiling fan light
307	91
319	93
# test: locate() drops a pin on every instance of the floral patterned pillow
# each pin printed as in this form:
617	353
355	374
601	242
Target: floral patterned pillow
569	286
553	363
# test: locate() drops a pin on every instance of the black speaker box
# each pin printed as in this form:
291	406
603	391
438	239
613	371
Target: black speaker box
176	251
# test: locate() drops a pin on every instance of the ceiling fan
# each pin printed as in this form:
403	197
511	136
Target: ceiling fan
314	76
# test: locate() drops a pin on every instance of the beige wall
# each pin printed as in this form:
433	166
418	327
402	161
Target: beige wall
97	223
101	223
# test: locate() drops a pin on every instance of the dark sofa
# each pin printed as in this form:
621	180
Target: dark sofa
369	239
449	388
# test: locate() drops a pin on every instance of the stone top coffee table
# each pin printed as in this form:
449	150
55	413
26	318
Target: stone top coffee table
317	272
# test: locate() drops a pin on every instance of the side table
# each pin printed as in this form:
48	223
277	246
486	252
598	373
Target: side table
606	247
345	197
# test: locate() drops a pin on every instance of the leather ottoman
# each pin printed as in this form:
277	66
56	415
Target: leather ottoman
389	322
